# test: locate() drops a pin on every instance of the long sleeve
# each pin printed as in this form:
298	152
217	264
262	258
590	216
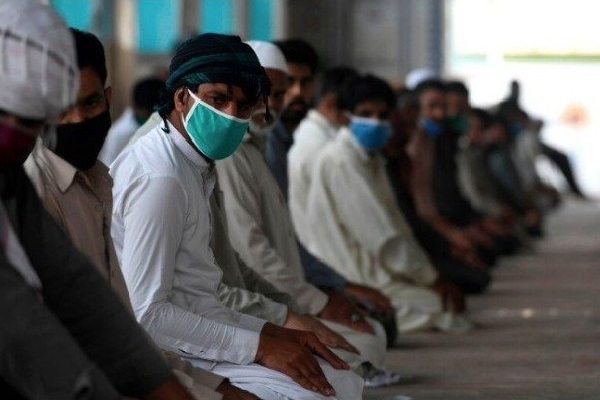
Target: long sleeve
368	219
154	215
242	289
253	236
421	183
79	297
40	359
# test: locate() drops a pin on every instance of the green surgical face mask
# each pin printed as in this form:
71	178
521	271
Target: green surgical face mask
459	123
214	133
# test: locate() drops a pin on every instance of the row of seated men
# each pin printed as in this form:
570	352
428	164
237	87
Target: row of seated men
269	249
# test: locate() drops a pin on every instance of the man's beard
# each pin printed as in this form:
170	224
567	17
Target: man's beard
295	111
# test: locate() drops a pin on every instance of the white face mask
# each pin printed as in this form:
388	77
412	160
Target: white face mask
263	128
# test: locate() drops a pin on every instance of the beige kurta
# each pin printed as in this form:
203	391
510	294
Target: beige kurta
261	232
260	227
82	206
358	229
311	136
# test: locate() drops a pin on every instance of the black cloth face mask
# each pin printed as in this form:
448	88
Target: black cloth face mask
80	143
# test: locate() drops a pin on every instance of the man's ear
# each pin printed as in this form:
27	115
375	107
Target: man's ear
108	95
180	98
330	101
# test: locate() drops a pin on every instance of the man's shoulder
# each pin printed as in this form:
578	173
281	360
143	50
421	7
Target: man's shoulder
151	155
241	161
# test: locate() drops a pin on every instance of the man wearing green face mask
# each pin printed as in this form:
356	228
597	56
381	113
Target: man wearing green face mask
162	232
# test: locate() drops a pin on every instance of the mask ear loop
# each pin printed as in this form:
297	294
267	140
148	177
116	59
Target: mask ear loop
268	115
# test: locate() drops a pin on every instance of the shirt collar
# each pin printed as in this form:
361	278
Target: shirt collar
187	148
329	128
360	152
63	172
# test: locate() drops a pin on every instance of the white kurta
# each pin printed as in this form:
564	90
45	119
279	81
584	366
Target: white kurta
311	136
161	230
118	136
357	228
261	232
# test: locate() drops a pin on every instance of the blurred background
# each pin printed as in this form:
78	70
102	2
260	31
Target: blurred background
552	48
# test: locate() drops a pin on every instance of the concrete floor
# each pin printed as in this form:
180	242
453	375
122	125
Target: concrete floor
539	327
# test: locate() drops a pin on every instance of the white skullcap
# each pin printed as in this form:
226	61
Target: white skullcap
416	76
39	77
269	55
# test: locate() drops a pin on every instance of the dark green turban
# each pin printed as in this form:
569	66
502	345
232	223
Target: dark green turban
215	58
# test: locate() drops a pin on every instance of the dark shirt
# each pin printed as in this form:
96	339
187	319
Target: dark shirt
432	241
80	303
446	191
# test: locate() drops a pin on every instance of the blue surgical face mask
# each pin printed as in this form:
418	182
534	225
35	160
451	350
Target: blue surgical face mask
215	134
372	134
515	129
432	128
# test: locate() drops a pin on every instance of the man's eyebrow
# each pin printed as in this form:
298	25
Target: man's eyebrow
219	92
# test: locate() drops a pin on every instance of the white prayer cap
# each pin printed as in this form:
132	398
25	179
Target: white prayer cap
416	76
269	55
39	77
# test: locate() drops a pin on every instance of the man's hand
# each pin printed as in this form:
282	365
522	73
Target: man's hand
341	310
469	258
231	392
291	353
460	239
311	324
369	295
453	299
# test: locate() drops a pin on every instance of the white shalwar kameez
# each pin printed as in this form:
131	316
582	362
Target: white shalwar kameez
311	136
357	228
161	230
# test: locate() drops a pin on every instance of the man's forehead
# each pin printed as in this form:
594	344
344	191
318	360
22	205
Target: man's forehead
224	88
89	83
299	70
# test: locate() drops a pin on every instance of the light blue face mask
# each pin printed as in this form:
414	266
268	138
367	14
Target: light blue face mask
372	134
215	134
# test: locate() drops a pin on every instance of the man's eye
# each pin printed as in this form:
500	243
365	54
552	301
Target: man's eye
219	101
92	103
245	108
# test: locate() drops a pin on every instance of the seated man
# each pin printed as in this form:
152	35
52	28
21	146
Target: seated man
76	188
460	268
262	233
162	232
64	333
320	126
356	225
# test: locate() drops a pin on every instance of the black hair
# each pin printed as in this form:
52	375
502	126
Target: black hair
298	51
334	81
146	93
365	88
485	117
90	53
429	84
457	87
406	99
